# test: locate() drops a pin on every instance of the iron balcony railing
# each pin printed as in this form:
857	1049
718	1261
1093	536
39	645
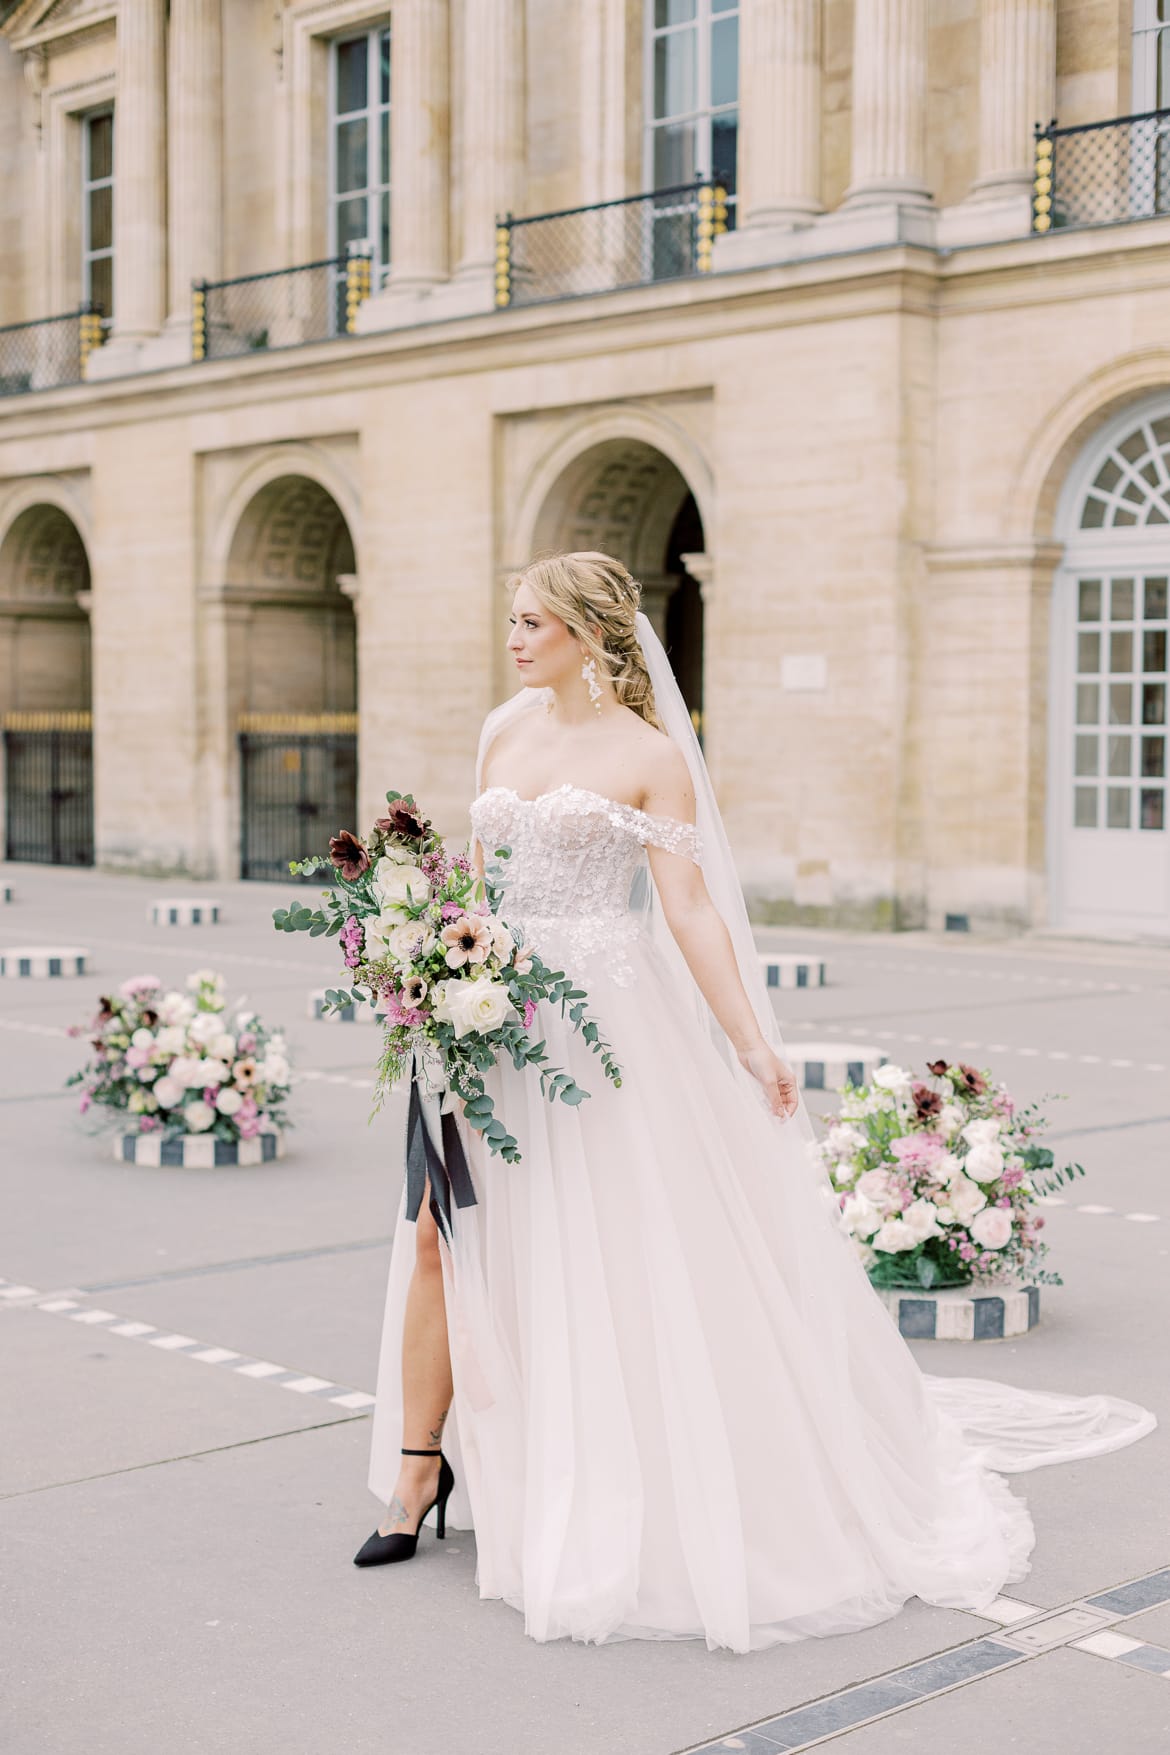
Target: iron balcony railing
49	351
285	307
665	235
1102	173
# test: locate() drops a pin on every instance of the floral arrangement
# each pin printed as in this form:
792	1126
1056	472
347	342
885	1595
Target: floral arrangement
171	1063
937	1179
422	937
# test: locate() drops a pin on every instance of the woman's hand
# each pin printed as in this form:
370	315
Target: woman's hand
774	1075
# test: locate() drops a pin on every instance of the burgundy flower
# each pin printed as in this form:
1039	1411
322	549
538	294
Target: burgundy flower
937	1067
105	1010
969	1080
926	1101
404	820
349	856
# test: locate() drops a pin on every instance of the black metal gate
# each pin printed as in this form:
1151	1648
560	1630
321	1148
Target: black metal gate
297	788
48	788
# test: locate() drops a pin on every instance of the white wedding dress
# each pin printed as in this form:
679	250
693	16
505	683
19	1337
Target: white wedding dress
679	1409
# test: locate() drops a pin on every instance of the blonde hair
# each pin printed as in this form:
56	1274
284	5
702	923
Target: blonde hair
589	590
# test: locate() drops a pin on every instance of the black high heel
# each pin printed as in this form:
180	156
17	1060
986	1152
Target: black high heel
379	1549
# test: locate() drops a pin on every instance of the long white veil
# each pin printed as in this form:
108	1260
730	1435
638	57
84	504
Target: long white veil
1013	1429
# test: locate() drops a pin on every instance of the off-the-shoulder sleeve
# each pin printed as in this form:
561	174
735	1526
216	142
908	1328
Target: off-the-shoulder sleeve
672	835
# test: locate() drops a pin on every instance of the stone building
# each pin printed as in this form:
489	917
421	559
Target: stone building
868	385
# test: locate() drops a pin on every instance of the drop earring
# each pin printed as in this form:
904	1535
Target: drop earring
589	672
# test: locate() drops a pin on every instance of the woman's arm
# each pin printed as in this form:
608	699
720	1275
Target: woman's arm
703	938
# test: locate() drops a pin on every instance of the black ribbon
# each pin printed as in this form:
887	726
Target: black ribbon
443	1163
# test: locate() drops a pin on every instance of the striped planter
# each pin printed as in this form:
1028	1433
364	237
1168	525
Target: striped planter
182	911
41	962
349	1014
198	1151
830	1066
786	969
961	1314
5	892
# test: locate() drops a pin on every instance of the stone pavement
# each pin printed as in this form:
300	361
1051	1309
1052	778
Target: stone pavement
186	1356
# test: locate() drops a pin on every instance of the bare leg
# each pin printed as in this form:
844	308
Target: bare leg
426	1381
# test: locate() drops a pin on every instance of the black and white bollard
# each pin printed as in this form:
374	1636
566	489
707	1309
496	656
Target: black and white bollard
42	962
830	1066
198	1151
788	969
183	911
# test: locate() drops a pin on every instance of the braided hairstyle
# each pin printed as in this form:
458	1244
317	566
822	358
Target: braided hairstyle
589	591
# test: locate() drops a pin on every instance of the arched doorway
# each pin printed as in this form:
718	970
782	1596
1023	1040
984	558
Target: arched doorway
1109	831
291	673
624	497
45	691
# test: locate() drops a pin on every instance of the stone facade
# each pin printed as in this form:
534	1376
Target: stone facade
845	464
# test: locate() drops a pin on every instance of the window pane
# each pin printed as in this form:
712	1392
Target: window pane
674	155
1153	758
352	62
1121	600
1088	653
1121	704
673	12
384	233
101	224
1086	755
1134	448
1107	476
1093	516
1155	600
724	61
101	284
1153	703
1153	808
1121	651
351	223
1089	600
1117	807
1154	649
724	130
1085	807
675	89
101	147
724	5
384	167
1088	703
352	169
1120	750
1125	517
384	66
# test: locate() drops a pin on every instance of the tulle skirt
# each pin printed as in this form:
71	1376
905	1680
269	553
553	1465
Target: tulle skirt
680	1412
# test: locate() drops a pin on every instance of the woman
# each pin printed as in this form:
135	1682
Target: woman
669	1402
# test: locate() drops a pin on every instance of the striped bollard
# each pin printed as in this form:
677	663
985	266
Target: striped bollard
5	892
961	1314
198	1151
830	1066
42	962
183	911
786	969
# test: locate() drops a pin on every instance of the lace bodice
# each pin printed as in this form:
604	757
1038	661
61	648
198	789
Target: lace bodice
573	859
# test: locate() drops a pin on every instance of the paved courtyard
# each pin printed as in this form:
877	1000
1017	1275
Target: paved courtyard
187	1357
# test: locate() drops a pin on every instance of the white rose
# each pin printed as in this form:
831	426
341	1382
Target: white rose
981	1132
142	1039
175	1008
966	1198
948	1121
874	1185
393	856
894	1236
946	1214
947	1168
198	1116
275	1070
228	1101
922	1218
397	884
400	937
842	1142
169	1093
861	1216
984	1163
503	944
476	1005
188	1070
894	1079
146	1074
172	1039
215	1072
223	1046
205	1028
992	1228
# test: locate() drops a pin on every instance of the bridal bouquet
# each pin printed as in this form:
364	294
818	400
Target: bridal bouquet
172	1063
938	1179
421	937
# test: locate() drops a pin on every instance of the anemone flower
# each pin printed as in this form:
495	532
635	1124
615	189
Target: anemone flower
349	855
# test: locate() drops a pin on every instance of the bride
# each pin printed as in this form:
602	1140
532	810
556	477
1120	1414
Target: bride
647	1367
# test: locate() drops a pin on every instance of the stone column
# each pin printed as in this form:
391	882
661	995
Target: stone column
140	192
493	151
779	129
420	182
889	104
1017	88
195	119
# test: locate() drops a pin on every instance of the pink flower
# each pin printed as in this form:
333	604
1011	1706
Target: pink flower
918	1151
530	1013
451	911
86	1101
397	1013
967	1251
149	1124
139	984
246	1044
137	1057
